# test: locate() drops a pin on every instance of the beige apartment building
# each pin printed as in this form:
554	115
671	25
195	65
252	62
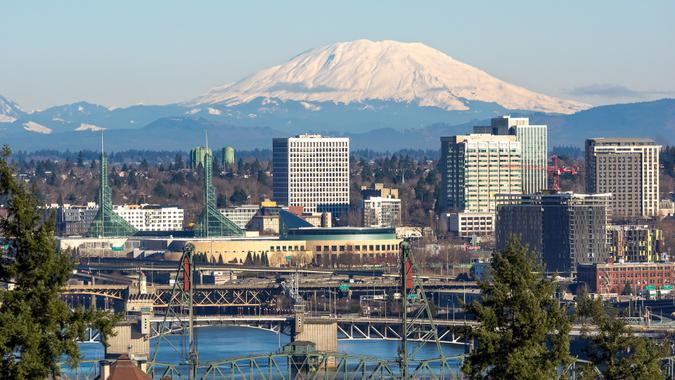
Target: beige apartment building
628	168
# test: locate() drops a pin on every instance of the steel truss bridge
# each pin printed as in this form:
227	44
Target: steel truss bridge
314	365
348	328
204	295
327	365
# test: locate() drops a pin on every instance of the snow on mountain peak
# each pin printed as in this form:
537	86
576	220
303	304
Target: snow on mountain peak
89	127
9	111
32	126
362	70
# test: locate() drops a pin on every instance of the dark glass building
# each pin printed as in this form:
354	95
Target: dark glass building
565	229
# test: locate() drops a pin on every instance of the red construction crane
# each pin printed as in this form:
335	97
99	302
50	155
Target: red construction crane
555	171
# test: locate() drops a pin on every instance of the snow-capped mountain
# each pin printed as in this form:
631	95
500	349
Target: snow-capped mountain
9	111
364	70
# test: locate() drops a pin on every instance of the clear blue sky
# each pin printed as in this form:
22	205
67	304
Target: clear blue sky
127	52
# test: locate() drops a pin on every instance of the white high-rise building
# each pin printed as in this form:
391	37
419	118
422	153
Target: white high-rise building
534	148
311	171
152	217
475	169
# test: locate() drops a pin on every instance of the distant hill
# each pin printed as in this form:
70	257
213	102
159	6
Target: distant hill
655	119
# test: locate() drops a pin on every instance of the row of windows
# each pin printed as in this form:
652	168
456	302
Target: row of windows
284	248
357	248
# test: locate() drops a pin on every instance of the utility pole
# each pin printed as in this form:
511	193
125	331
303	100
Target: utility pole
403	349
180	309
413	323
192	356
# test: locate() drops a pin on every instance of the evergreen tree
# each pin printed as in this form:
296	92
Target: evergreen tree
221	201
249	259
36	327
523	332
613	348
160	191
220	259
178	161
239	196
131	180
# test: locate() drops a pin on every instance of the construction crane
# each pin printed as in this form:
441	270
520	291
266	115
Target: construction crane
556	170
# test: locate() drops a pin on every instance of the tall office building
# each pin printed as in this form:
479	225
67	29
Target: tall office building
197	156
534	148
629	169
565	229
311	171
475	168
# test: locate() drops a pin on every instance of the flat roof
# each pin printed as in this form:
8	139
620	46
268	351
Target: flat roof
622	140
340	233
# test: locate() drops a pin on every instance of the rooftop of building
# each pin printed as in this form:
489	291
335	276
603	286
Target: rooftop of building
382	199
621	140
629	227
479	137
241	207
125	369
143	206
540	198
627	265
340	233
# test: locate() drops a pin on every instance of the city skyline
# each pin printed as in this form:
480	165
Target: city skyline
161	55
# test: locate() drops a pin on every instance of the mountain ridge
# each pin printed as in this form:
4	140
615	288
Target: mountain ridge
655	119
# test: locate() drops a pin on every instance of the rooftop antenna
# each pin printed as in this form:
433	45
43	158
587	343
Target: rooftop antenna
101	141
206	137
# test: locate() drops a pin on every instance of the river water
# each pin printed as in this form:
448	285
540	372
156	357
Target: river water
218	343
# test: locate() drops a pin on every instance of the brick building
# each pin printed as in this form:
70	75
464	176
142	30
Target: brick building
613	278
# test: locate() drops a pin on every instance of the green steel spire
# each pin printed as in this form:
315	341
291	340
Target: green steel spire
107	223
211	222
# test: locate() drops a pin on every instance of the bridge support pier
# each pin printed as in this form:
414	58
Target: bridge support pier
323	333
132	338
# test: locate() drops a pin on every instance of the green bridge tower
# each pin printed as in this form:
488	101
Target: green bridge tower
107	223
211	222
